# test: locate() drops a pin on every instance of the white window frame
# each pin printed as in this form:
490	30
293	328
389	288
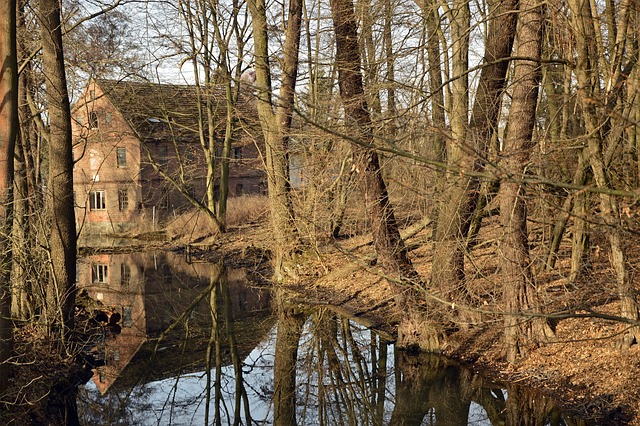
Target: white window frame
99	273
97	200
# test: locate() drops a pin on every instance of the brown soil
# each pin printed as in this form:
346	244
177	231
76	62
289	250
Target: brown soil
583	368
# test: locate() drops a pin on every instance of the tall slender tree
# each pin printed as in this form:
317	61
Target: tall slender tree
390	248
601	140
517	274
275	119
8	135
470	137
61	290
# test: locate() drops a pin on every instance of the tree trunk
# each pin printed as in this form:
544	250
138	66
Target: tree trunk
438	118
61	290
276	127
390	248
580	237
469	148
517	274
370	62
448	262
28	198
197	23
582	22
8	135
559	225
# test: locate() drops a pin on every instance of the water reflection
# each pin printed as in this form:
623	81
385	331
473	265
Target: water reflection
186	343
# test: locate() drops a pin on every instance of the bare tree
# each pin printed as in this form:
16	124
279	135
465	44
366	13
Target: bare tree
601	136
469	144
8	135
517	274
390	248
275	119
61	290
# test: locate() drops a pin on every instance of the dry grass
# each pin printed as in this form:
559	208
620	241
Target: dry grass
246	209
195	225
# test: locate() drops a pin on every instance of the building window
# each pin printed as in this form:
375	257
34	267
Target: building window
125	274
237	153
123	199
163	155
99	273
93	120
97	200
121	154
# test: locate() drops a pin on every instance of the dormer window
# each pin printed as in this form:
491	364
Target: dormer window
93	120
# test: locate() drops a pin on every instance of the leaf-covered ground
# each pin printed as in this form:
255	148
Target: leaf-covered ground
583	368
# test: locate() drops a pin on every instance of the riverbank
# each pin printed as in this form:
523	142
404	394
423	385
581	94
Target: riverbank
583	368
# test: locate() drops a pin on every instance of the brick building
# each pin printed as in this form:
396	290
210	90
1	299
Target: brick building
137	150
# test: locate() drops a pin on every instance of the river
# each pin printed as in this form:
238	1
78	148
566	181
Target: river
184	343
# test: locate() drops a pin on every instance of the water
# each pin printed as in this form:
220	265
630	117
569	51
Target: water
226	345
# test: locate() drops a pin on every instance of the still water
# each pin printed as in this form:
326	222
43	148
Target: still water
180	343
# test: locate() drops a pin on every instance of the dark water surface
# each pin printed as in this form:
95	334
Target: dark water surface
226	345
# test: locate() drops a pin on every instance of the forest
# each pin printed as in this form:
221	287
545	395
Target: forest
479	160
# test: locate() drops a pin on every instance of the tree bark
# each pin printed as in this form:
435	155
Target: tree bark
597	129
469	146
517	272
61	291
8	135
276	127
390	248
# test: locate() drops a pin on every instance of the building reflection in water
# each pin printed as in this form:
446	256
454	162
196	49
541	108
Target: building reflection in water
141	294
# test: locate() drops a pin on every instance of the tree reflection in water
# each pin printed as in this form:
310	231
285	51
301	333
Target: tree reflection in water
226	361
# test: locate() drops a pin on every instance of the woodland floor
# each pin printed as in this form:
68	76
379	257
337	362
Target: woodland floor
583	369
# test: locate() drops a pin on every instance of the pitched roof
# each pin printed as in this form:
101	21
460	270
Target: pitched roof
162	111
